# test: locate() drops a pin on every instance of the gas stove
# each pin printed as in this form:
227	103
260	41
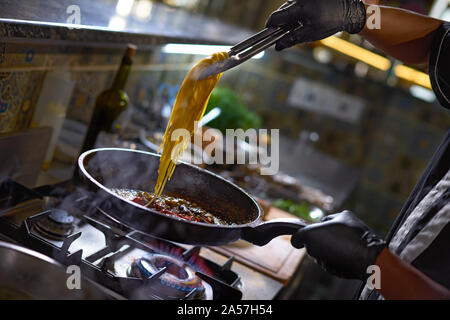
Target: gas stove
62	221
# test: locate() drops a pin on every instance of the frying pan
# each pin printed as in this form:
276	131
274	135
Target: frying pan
108	168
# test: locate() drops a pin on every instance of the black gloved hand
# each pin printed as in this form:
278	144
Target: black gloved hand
341	244
320	19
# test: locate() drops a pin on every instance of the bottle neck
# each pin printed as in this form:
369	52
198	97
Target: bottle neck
122	75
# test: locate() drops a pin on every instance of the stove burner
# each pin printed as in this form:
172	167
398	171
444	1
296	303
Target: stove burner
57	225
179	277
195	260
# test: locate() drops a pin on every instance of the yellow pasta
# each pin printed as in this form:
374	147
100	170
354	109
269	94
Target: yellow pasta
190	105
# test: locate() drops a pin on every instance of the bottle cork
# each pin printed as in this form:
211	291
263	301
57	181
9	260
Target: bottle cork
131	51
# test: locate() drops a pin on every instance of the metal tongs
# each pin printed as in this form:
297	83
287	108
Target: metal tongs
247	49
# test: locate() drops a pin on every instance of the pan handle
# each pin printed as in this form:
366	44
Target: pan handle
263	233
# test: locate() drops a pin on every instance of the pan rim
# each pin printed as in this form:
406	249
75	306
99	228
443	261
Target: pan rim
253	223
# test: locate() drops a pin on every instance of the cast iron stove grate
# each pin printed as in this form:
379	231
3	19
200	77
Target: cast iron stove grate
23	221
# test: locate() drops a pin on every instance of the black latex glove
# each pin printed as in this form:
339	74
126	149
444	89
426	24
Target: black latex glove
318	18
341	244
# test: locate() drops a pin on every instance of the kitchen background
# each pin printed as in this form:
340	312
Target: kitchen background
381	136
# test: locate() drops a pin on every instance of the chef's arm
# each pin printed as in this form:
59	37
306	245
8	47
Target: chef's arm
403	34
401	281
344	245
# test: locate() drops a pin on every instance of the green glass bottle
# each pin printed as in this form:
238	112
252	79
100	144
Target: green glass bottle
110	103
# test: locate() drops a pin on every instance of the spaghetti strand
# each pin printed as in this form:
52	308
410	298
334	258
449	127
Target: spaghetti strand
190	105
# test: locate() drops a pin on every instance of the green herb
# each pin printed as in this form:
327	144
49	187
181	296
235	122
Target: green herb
234	114
301	210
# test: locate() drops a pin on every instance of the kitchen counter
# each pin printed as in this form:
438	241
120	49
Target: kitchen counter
102	22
